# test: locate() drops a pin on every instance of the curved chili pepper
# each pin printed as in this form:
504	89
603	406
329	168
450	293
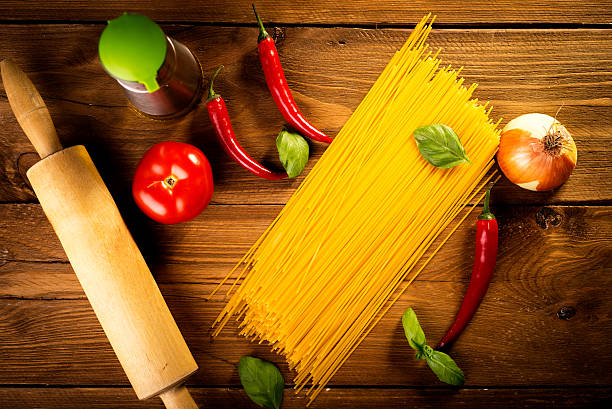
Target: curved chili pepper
484	266
217	112
277	84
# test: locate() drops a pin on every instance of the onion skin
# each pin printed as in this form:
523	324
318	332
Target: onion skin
536	152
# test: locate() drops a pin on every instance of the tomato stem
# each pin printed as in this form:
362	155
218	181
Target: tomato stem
170	182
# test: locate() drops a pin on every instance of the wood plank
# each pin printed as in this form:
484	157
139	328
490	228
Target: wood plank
510	341
358	12
219	237
349	398
329	70
550	258
205	250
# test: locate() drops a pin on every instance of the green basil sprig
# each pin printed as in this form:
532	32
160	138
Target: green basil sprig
440	363
440	146
293	152
262	381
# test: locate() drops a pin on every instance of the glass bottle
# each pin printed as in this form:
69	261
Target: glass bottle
160	76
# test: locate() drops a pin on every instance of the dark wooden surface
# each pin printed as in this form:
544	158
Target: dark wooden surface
330	70
332	12
555	248
336	398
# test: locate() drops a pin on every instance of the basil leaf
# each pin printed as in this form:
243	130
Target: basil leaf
262	381
414	332
293	152
440	146
440	363
444	367
427	351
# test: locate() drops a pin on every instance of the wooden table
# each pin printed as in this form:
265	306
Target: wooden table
542	335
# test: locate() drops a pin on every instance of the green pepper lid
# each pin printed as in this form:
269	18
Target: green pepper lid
132	48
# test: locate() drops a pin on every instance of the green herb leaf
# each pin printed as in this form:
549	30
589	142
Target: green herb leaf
440	146
414	332
440	363
293	152
444	367
427	351
262	381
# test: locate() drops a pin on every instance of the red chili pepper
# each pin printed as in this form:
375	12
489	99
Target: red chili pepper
217	112
484	266
277	84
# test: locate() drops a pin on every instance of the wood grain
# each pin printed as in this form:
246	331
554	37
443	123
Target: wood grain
345	398
329	70
358	12
510	341
541	338
551	258
219	237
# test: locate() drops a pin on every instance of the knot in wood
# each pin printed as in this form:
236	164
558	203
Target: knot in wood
278	35
565	313
547	217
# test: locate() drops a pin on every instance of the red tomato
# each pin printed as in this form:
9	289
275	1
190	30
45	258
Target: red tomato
173	182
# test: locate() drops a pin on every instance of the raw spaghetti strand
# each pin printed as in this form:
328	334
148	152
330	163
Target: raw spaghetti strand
325	271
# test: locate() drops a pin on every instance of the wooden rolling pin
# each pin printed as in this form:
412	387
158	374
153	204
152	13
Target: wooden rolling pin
103	254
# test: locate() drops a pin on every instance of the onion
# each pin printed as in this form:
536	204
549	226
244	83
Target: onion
536	152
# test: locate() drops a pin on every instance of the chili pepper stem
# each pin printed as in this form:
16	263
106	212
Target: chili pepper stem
211	93
486	213
263	34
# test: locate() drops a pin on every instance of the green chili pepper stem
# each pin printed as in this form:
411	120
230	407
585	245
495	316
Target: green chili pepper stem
263	34
486	213
211	93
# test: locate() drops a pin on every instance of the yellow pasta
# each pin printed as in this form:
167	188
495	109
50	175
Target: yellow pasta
316	282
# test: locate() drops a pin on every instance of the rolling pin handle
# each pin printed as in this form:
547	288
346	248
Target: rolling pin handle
178	398
30	110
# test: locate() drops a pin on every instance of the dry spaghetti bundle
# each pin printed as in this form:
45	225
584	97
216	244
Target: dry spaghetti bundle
317	280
